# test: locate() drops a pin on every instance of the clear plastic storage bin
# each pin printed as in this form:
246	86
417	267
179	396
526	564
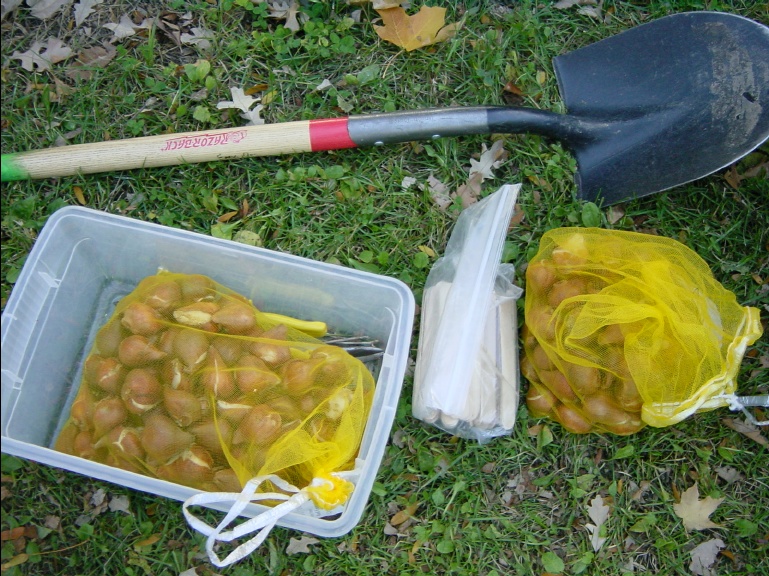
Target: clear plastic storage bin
85	261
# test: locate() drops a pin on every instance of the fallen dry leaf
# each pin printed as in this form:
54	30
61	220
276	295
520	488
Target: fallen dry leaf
729	474
12	533
122	29
17	560
390	530
439	192
599	513
470	190
704	555
615	213
120	504
84	9
79	196
422	29
490	158
239	100
8	6
694	512
199	37
642	489
587	7
148	541
126	27
42	56
288	11
517	217
227	216
44	9
401	516
301	546
52	522
90	59
254	116
747	429
61	91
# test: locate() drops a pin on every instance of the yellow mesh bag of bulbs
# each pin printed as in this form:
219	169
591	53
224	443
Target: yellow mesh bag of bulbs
625	329
190	383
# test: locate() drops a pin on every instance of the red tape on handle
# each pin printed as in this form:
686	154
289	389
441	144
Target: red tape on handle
330	134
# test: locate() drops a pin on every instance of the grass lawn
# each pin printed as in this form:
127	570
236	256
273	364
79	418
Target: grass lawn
440	505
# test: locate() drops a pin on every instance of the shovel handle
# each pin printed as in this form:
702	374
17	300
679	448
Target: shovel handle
181	148
284	138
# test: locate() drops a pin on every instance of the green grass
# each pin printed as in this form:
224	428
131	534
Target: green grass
492	509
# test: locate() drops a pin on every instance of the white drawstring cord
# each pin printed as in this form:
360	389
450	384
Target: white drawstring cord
261	524
741	403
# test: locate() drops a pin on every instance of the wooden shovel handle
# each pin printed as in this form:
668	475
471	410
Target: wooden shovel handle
182	148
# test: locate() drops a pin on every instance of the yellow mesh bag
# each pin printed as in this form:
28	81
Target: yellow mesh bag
190	383
625	329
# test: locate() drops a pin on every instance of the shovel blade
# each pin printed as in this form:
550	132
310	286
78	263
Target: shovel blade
682	97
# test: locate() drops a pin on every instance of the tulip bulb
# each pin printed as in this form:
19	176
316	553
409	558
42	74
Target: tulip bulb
108	413
216	377
600	408
338	403
164	296
162	439
66	439
540	275
197	314
141	390
136	350
253	376
563	290
182	406
193	467
140	318
585	380
227	481
233	411
299	376
235	317
191	347
540	401
174	375
124	442
206	435
272	354
81	413
83	445
109	337
196	287
105	373
261	426
230	348
334	369
572	420
559	386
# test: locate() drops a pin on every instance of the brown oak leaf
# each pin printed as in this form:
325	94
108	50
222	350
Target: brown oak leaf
42	56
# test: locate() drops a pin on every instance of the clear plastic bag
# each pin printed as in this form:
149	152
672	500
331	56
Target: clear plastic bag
466	379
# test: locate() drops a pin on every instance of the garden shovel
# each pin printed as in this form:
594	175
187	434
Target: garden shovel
651	108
